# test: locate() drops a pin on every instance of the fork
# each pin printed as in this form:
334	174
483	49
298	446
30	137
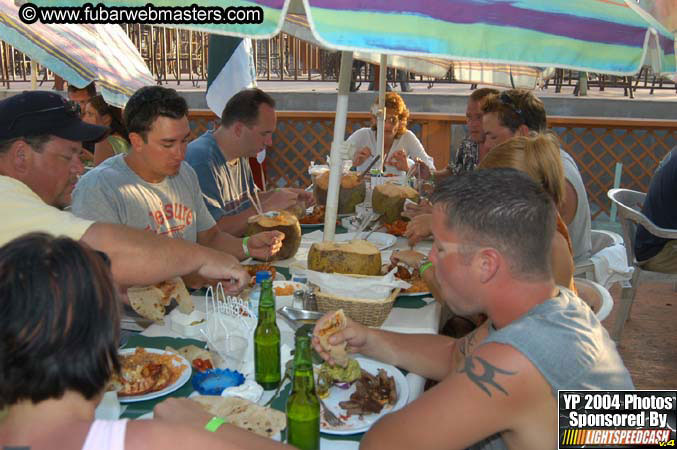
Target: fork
329	416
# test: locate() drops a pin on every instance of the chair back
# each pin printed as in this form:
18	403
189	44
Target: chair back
596	296
629	205
602	239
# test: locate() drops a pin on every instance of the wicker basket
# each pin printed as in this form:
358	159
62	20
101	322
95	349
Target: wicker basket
368	312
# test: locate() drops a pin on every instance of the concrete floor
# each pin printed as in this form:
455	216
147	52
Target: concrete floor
648	344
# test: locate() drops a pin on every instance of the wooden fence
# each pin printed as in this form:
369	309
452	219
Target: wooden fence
597	145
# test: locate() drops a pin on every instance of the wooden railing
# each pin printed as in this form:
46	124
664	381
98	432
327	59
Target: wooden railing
597	145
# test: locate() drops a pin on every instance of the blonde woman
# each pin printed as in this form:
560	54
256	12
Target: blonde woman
402	147
538	156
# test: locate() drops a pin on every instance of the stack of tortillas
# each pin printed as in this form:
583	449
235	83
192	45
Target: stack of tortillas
151	301
244	414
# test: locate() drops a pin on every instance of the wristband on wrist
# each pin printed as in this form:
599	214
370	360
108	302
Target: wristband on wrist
245	247
425	266
215	423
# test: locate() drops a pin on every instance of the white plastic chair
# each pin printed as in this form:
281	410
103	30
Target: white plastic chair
629	205
595	295
601	239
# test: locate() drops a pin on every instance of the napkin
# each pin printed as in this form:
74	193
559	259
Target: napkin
375	287
611	265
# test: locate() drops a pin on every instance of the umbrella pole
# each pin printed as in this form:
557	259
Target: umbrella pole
34	75
381	116
336	163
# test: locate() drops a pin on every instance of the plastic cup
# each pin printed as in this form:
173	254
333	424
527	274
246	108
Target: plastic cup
232	350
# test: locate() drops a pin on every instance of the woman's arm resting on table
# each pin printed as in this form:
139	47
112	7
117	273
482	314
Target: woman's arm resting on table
179	423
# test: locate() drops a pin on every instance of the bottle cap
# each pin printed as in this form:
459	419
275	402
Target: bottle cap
262	275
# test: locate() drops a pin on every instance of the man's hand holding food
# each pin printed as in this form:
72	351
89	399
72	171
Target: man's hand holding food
419	228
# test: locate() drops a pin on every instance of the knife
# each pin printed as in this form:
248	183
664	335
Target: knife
371	164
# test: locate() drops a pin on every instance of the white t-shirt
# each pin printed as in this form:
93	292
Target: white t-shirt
366	137
579	228
28	213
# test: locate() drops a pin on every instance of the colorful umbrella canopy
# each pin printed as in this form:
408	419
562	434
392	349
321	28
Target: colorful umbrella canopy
80	54
504	75
604	36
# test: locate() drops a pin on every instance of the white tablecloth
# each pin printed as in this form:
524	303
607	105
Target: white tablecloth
402	320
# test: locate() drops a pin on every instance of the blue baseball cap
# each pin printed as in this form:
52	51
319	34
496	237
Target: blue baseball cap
35	113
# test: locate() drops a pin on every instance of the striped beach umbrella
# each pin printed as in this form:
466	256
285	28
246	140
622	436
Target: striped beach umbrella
603	36
80	54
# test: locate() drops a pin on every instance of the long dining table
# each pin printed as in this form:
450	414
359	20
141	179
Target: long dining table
410	314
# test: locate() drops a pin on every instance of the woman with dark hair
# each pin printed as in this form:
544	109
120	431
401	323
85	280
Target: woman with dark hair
402	147
59	332
98	112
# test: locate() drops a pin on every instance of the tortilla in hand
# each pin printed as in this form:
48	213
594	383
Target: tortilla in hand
151	301
331	326
244	414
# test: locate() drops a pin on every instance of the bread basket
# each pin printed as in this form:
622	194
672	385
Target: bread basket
368	312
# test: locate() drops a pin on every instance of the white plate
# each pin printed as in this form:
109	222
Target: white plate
381	240
354	424
185	376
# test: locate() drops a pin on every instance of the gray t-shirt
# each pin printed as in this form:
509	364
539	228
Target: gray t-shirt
579	228
568	345
113	193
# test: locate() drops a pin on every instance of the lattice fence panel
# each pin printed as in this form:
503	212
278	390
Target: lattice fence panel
596	145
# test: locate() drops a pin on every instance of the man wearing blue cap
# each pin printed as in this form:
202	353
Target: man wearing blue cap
41	137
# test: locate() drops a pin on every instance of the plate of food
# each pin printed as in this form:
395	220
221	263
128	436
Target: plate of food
411	276
397	228
358	391
314	218
378	389
380	240
148	373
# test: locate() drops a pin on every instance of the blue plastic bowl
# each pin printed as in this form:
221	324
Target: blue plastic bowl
213	382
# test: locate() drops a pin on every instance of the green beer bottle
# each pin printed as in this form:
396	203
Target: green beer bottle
303	406
267	341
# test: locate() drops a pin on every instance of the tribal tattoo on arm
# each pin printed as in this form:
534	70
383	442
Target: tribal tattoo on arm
484	377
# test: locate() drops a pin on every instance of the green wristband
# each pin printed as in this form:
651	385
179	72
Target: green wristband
215	423
425	267
245	248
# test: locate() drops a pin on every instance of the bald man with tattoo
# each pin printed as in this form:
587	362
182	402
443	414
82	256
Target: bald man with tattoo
498	385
